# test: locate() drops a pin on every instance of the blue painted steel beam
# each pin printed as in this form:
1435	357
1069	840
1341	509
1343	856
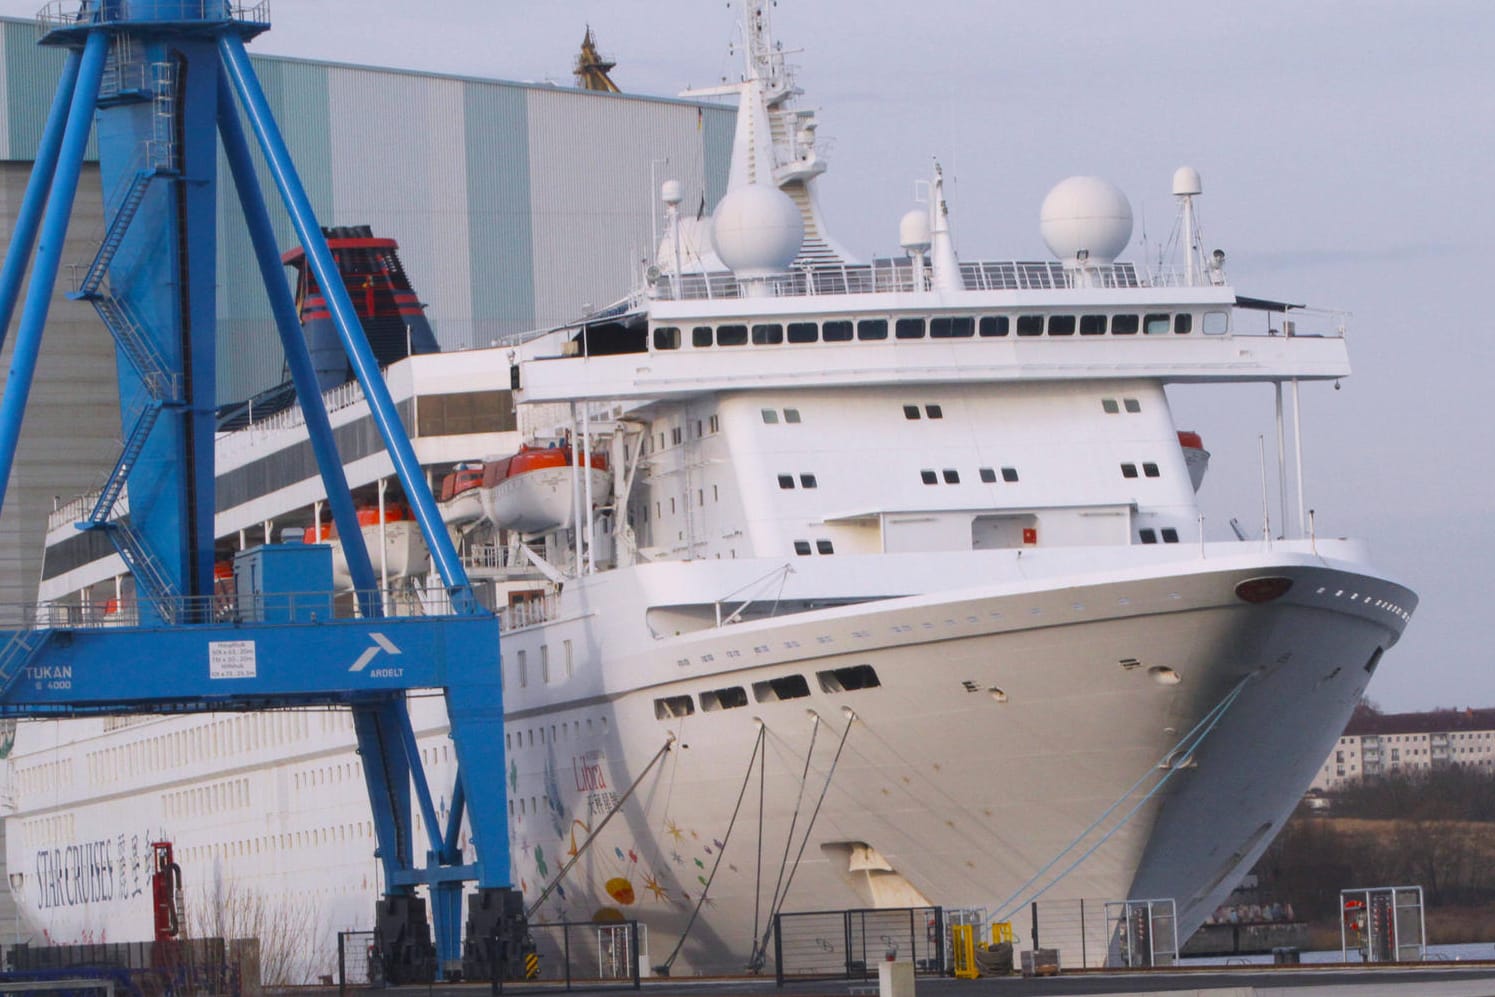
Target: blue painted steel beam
454	818
386	773
331	661
28	219
49	251
345	318
292	340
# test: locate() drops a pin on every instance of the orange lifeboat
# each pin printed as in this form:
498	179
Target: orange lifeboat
405	551
532	491
1196	458
461	498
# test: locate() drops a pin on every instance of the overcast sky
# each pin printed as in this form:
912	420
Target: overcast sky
1346	152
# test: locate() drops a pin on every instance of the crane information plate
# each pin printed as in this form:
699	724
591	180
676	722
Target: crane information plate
231	659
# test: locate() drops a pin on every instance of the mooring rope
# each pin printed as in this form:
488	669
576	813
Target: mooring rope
1188	744
760	950
663	969
561	873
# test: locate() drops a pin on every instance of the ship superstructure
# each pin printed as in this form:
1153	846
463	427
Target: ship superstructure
908	550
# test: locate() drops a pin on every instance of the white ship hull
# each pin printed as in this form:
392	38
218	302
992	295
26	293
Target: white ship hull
1010	715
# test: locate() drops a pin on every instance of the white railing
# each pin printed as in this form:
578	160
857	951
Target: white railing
78	13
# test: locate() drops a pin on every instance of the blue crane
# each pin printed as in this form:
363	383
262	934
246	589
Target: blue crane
161	83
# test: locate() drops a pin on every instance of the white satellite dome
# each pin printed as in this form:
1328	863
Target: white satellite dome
1086	214
913	231
757	231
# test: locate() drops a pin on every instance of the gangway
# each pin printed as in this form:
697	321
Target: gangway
160	83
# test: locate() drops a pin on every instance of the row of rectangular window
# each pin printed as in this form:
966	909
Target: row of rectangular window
805	481
849	679
1109	406
802	547
1149	470
1150	536
952	476
668	337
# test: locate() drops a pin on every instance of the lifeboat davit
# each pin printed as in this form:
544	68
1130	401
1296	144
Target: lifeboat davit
461	495
1196	458
531	492
404	553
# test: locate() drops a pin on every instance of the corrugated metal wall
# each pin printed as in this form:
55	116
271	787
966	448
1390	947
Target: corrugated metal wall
514	204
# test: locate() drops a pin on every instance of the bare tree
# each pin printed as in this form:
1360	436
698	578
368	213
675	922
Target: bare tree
289	935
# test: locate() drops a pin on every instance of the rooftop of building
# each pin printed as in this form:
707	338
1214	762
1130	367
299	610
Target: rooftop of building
1367	720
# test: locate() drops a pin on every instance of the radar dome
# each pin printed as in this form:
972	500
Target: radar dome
1186	182
913	231
1086	214
757	230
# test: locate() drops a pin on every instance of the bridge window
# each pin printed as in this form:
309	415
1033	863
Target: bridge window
989	475
1128	470
1150	470
700	336
1009	474
952	476
1155	324
872	328
929	477
803	332
731	335
802	548
1131	404
791	415
1124	325
1183	323
1030	325
993	325
934	411
824	547
1148	536
1170	535
807	481
911	411
666	337
909	328
1092	325
1109	406
786	481
835	332
1216	323
1061	325
771	416
769	334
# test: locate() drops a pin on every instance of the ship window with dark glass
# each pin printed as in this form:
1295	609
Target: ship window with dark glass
1061	325
929	477
1131	404
1183	323
771	416
1128	470
788	687
994	325
731	335
666	337
872	328
791	415
808	481
1092	325
911	411
1150	470
824	547
802	548
952	327
989	475
803	332
768	334
835	332
786	481
700	336
909	328
1156	324
1122	325
1109	406
1170	535
1148	536
1009	474
934	411
1030	325
952	476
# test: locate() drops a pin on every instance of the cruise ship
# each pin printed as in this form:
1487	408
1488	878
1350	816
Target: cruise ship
823	584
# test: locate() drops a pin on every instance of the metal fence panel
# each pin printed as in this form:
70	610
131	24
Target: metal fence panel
848	944
580	955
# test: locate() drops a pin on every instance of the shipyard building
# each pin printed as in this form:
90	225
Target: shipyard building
515	205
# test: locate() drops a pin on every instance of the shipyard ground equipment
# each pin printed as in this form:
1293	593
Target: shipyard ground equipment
160	83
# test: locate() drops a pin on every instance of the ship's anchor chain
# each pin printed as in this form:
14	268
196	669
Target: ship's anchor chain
1174	759
760	942
561	873
663	969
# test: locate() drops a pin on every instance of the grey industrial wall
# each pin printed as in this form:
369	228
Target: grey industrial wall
514	206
